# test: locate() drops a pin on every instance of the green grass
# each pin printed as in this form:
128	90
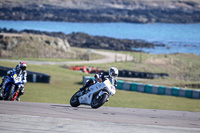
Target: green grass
184	69
64	83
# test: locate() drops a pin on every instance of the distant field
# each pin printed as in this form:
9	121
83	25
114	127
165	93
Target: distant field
64	83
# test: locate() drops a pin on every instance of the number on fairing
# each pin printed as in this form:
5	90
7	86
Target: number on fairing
17	79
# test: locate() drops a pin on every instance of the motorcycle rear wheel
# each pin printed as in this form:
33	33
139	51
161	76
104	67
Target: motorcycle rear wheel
99	101
74	102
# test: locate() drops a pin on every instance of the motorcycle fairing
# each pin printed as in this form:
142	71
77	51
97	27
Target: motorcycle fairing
97	88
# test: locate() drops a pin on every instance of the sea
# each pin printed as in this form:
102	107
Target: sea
177	38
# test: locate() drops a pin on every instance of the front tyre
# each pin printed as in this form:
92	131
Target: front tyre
98	101
74	102
11	94
1	94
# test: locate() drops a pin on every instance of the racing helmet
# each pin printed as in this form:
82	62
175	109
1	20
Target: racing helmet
22	66
113	72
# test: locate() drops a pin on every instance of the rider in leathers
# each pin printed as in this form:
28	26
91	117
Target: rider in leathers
21	67
113	73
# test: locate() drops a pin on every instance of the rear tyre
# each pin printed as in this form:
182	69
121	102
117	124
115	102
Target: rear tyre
99	101
74	102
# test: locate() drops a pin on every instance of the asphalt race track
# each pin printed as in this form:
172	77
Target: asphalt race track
27	117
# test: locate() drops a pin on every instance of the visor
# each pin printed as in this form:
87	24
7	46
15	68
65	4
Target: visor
23	68
114	75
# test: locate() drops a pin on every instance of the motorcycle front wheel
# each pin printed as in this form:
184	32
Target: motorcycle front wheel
1	94
98	101
11	94
74	102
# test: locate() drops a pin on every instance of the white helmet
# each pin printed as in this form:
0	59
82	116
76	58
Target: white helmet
113	72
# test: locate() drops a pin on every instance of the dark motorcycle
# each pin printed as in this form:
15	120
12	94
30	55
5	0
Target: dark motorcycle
11	86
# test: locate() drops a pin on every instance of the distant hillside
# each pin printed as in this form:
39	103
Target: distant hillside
33	46
134	11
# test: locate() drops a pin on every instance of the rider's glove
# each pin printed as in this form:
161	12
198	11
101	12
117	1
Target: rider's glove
97	78
9	72
115	84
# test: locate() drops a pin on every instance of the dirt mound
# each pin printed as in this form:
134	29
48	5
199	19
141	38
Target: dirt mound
29	45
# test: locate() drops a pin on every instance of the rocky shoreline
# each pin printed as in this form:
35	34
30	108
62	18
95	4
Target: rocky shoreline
132	11
84	40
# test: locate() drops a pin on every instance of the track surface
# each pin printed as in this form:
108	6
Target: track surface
46	117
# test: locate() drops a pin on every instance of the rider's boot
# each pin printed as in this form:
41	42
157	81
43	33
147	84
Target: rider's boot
83	89
88	83
18	98
21	92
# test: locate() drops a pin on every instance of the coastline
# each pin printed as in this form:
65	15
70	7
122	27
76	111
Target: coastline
131	11
85	35
84	40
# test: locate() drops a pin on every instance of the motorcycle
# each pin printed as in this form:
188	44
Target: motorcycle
95	96
11	86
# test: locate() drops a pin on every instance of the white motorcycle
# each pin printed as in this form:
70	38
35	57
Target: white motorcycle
95	96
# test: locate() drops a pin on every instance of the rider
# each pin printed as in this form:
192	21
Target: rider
113	73
21	67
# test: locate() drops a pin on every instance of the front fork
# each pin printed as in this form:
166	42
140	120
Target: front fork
101	93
